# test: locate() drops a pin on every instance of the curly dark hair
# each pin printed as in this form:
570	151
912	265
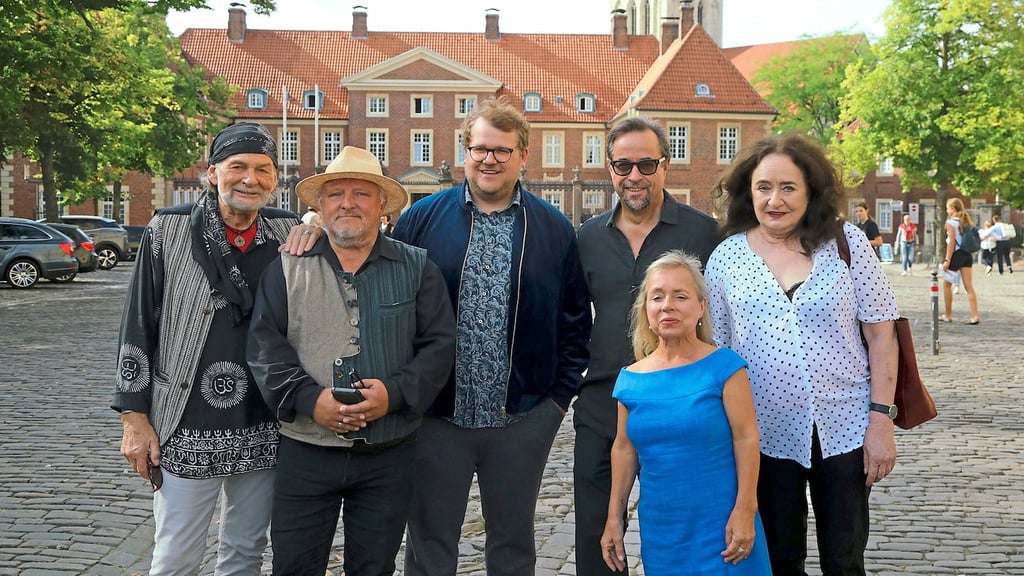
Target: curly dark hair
824	188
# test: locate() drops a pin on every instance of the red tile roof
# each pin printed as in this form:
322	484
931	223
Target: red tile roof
671	82
554	65
749	59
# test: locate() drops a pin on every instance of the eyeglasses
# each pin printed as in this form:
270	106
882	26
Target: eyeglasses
479	153
647	166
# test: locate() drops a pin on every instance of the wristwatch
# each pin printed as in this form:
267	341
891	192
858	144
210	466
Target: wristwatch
890	411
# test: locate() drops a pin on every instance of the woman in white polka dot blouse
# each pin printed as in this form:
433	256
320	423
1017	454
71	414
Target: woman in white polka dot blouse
783	299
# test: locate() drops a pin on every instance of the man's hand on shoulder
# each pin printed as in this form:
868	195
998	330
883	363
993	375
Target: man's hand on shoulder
301	239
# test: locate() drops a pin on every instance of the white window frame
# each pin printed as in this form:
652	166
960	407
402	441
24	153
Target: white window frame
586	102
256	99
885	167
554	197
312	100
421	147
289	146
678	138
532	102
378	148
554	149
377	101
728	142
426	105
332	143
460	148
107	204
593	149
464	104
883	214
593	199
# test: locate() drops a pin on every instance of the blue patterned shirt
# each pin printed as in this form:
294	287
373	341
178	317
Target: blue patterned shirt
481	358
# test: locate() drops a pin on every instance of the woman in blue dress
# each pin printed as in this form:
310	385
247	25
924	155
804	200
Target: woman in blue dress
686	423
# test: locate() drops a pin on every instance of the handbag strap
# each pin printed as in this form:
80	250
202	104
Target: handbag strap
842	244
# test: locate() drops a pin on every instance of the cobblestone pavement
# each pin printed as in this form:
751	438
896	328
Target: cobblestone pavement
70	505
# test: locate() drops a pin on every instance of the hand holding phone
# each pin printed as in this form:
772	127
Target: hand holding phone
346	383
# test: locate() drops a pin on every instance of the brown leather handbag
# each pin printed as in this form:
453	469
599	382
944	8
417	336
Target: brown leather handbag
914	405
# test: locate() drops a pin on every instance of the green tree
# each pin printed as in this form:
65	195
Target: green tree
75	85
945	100
806	84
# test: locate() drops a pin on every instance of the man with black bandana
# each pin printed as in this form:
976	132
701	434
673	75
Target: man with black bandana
193	417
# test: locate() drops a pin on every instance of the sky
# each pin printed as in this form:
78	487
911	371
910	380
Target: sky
745	21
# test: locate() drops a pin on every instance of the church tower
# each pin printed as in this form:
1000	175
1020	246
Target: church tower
645	17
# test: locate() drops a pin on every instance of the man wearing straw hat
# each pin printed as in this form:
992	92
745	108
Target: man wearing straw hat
368	314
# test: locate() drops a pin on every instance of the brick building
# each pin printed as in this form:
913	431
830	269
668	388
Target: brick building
403	95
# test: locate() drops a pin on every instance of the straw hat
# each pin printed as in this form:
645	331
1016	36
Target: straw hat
359	164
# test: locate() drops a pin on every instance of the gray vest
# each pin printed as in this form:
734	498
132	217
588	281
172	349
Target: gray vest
369	317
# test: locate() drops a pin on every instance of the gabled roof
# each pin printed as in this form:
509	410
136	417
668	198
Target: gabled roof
671	82
556	66
553	65
749	59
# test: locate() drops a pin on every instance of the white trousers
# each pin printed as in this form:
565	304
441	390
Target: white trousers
183	509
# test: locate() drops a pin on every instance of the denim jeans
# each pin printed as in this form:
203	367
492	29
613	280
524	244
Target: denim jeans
907	255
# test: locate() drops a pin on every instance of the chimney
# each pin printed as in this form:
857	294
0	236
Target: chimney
620	37
685	17
359	30
669	29
491	31
236	23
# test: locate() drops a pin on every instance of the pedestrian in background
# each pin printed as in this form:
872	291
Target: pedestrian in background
867	225
616	248
1002	243
785	300
514	277
958	260
988	245
192	414
906	243
686	424
350	343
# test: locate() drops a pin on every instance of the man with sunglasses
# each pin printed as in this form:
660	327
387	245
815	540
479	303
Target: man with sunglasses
514	277
616	248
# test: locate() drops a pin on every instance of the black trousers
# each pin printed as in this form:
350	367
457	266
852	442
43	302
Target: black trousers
312	483
1003	255
592	485
840	501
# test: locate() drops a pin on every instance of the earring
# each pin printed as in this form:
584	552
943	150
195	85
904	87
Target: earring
700	323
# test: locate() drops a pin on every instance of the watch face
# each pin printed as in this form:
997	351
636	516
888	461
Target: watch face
893	411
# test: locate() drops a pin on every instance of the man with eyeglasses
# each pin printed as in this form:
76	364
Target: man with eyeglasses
616	248
514	277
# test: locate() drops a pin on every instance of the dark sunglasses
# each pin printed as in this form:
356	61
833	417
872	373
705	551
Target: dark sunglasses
647	166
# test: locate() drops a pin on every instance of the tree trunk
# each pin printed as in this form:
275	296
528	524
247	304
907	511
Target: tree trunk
51	206
115	202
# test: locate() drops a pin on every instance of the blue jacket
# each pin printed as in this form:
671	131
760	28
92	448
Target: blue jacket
549	309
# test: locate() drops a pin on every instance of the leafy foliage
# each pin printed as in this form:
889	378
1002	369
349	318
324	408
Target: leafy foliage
945	100
806	84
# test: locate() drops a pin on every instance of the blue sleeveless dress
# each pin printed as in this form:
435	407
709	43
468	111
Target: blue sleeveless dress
677	423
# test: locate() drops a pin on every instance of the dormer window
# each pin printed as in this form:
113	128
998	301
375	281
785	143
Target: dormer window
585	102
313	100
531	102
256	99
704	91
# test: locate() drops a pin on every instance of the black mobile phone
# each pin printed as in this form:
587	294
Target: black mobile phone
156	477
346	380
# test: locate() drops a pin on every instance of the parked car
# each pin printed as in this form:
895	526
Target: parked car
31	250
134	238
85	250
111	238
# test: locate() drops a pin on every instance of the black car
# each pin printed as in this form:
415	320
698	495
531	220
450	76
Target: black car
30	251
84	250
111	238
134	238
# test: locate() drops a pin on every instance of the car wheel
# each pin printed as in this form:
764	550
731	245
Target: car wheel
108	257
64	278
22	274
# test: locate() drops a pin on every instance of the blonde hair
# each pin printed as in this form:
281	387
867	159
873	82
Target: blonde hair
961	213
644	340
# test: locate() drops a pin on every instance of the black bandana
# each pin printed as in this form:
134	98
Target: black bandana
211	251
243	138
